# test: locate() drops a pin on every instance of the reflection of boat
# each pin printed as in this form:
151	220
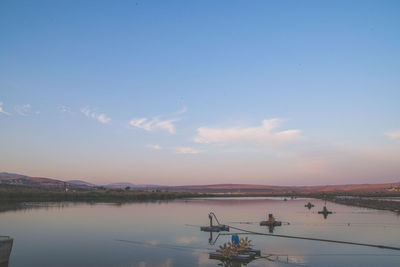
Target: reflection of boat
5	249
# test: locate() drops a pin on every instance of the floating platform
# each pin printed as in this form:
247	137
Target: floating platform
324	212
215	228
309	205
268	223
6	244
251	251
271	222
244	255
240	257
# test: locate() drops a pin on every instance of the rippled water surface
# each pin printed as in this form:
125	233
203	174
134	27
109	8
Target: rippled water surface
168	234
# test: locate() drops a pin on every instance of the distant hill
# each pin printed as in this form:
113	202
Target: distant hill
19	179
11	175
268	189
79	182
123	185
119	185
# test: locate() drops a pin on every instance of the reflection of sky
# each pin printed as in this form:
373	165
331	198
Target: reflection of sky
167	234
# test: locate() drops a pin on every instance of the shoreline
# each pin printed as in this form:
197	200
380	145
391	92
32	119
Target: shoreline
369	203
14	194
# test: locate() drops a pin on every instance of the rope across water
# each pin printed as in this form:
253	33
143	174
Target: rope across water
315	239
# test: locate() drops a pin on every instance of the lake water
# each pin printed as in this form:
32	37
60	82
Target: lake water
168	234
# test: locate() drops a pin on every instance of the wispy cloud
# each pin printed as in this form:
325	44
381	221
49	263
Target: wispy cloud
2	110
64	109
394	135
187	150
25	110
179	112
156	147
154	124
264	134
103	118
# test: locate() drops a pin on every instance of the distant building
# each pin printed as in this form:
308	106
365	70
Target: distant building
394	189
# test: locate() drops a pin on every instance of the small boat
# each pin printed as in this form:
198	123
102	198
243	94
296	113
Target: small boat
214	228
325	212
6	244
309	205
271	221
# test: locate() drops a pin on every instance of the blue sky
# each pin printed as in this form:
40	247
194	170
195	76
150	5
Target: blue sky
185	92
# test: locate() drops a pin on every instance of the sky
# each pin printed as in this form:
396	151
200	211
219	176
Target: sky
201	92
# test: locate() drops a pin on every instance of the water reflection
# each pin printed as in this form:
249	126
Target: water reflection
168	233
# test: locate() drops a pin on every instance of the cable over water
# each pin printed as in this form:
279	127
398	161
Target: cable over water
316	239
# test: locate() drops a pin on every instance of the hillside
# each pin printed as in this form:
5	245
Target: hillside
18	179
267	189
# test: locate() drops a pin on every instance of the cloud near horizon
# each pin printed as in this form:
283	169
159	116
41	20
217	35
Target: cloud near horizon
187	150
394	135
103	118
64	109
25	110
263	135
2	110
156	147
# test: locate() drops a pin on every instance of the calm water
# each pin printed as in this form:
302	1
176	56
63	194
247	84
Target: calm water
167	233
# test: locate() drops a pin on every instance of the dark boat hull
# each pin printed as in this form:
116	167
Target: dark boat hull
6	244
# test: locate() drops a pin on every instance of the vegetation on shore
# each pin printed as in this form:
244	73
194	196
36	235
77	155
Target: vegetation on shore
371	203
17	193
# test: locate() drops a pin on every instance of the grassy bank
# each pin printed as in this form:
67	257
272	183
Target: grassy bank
17	193
369	203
